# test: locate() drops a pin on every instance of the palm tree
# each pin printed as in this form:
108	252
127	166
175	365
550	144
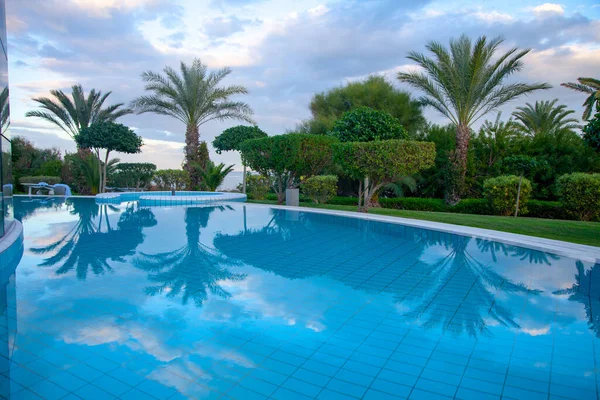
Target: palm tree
194	97
464	83
213	175
587	85
544	117
73	113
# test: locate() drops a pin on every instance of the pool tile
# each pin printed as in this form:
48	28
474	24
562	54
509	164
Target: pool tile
67	381
111	385
259	386
48	390
347	388
155	389
91	392
301	387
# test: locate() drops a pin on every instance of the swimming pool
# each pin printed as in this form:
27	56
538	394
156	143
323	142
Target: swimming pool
245	302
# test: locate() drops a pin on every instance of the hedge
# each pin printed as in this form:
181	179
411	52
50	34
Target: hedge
545	209
50	180
320	188
414	203
580	195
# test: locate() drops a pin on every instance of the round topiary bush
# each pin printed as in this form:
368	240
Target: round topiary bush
501	193
320	188
580	195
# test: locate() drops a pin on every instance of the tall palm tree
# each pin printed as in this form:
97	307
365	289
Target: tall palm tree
545	117
464	83
77	111
193	96
587	85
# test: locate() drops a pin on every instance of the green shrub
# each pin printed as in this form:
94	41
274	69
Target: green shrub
580	195
132	175
414	203
472	206
343	201
50	168
545	209
365	124
258	186
320	188
50	180
167	179
501	193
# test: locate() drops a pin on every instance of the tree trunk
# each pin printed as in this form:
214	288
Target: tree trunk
104	173
457	167
360	195
518	195
366	199
280	191
192	143
244	181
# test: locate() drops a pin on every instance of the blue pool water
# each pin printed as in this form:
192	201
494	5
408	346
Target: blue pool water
246	302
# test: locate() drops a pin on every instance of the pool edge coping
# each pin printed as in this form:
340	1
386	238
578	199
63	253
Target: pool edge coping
567	249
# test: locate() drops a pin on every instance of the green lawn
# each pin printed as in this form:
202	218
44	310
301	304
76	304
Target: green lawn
569	231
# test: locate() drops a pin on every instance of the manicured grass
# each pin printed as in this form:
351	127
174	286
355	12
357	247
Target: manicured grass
568	231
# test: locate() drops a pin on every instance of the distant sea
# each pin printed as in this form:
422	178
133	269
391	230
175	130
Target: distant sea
232	180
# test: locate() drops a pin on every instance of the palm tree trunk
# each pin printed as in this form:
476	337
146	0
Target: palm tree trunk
103	189
192	142
458	165
244	181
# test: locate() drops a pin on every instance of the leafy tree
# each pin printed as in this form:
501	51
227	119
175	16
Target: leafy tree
561	153
591	132
544	117
193	96
232	138
71	114
289	159
27	160
382	162
374	92
172	179
464	83
365	124
132	175
590	86
51	168
494	141
108	136
213	175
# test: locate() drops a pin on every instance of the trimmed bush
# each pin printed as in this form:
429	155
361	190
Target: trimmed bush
320	188
167	179
50	180
472	206
501	193
545	209
414	203
365	124
580	195
257	187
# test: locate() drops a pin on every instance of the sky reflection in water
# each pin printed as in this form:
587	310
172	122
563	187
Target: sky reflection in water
243	300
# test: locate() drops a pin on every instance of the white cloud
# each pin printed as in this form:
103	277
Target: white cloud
318	10
493	17
101	8
548	9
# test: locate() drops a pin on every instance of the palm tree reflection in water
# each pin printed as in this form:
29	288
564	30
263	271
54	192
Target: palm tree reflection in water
192	270
461	294
89	246
586	290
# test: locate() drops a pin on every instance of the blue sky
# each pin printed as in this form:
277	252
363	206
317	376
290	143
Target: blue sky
283	51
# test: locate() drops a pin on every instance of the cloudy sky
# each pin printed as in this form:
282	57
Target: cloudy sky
283	51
